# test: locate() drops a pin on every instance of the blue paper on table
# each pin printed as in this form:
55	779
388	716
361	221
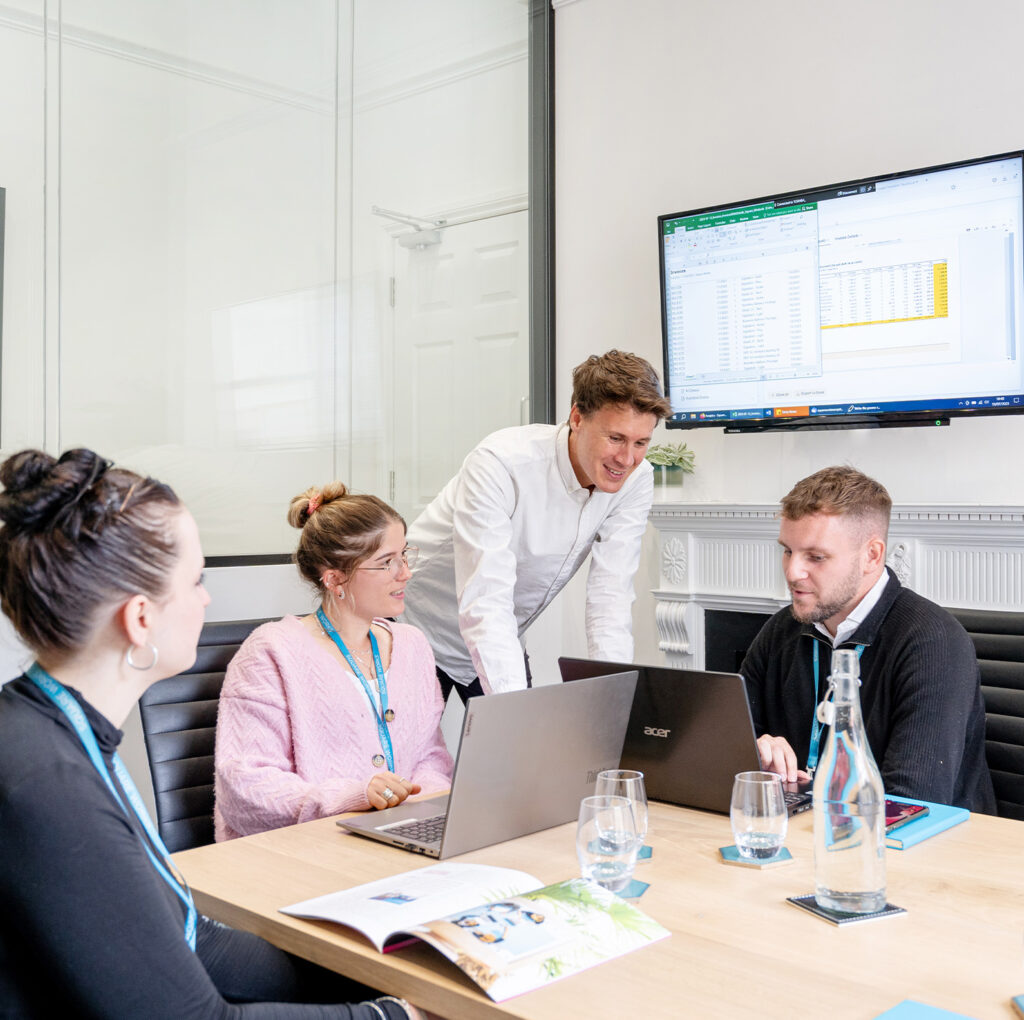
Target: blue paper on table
644	853
908	1009
1018	1004
939	818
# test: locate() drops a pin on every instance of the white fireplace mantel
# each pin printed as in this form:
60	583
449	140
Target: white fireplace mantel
725	556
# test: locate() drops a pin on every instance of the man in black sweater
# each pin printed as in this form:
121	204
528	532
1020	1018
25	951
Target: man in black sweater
920	693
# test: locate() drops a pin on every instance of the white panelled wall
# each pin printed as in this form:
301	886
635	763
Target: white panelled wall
722	557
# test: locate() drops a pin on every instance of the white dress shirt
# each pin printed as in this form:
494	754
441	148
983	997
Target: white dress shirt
858	614
501	541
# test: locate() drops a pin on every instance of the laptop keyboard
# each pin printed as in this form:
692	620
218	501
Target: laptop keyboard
424	830
797	801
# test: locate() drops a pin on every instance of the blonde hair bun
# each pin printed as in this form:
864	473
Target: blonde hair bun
299	511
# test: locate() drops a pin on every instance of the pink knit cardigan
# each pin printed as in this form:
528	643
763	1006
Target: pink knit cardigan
295	736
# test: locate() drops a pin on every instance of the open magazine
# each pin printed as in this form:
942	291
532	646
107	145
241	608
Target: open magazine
495	924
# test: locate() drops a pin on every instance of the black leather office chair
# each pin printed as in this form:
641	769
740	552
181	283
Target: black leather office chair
179	718
999	642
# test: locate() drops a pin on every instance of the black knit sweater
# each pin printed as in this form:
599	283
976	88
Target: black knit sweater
87	926
920	695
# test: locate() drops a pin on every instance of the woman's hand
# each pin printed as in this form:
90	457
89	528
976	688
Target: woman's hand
388	790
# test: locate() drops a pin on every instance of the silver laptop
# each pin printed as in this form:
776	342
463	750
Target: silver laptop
526	759
689	732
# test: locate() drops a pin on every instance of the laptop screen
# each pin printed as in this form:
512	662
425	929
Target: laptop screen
689	731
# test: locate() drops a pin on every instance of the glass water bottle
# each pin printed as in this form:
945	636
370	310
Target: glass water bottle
849	802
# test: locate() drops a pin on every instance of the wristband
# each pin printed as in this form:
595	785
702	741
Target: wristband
406	1009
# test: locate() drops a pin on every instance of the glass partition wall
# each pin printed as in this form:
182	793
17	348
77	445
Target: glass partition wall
253	247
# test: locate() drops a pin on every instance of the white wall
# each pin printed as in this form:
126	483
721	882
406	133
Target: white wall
662	106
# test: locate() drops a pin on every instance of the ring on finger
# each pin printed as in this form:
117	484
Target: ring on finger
388	793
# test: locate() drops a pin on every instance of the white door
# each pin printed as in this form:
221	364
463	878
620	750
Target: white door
462	358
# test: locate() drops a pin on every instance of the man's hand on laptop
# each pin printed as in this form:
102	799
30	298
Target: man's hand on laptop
388	790
778	756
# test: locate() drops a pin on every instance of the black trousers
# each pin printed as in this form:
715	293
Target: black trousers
474	689
244	968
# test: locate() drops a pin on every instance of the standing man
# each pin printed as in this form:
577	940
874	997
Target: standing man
920	693
528	505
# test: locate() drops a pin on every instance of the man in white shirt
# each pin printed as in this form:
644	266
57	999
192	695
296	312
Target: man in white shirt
529	504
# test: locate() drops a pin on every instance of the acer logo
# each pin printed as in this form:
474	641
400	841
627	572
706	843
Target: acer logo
653	731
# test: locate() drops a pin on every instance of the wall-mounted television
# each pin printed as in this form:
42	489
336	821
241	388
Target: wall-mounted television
892	300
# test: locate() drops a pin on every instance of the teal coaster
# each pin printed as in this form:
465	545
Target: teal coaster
644	853
730	855
634	890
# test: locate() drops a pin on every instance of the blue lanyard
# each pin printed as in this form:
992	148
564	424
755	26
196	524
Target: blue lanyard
382	726
58	694
816	724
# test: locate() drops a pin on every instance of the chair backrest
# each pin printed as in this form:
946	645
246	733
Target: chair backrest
999	642
179	719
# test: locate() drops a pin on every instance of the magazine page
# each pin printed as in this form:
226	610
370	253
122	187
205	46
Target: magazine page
387	906
524	941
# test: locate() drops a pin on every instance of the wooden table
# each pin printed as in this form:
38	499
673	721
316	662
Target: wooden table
737	948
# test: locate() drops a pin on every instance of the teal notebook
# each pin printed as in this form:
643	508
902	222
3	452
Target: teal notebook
939	818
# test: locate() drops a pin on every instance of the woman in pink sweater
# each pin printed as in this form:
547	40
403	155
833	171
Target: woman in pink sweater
339	710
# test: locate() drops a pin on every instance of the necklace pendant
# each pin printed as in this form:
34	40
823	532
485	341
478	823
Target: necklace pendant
377	761
389	715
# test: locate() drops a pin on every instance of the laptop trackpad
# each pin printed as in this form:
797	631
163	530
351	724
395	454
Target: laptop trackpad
407	811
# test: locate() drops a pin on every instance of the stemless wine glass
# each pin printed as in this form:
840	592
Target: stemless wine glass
629	784
606	842
758	814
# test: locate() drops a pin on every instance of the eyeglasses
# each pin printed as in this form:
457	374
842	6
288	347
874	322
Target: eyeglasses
394	565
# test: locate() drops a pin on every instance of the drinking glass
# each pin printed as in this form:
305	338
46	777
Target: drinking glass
629	784
606	842
758	814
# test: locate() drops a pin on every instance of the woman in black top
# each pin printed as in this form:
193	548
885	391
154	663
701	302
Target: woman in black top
101	575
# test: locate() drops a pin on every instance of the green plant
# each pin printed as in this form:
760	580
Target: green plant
672	455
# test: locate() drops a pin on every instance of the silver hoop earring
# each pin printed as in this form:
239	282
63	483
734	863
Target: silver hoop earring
135	665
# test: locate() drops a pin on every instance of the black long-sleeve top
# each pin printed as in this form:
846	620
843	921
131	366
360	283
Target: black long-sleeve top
88	928
920	695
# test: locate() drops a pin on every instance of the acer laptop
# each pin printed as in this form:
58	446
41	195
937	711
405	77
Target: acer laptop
689	732
525	760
